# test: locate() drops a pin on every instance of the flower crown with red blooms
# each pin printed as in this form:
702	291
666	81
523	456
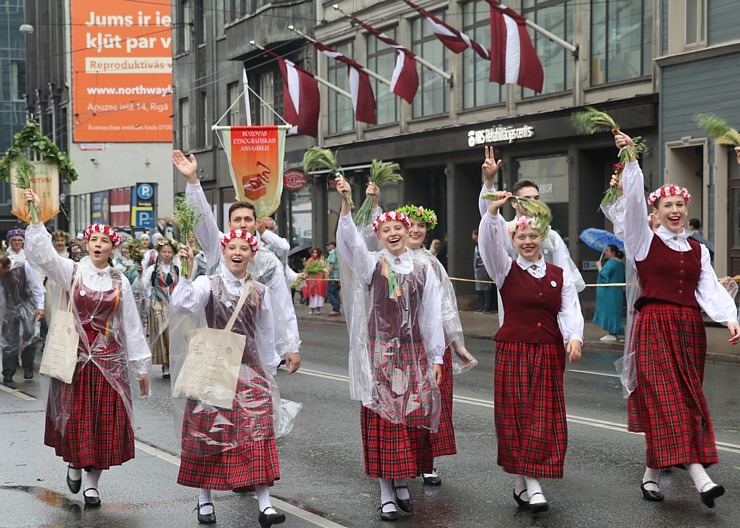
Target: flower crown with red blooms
519	223
428	216
104	229
239	233
393	215
669	190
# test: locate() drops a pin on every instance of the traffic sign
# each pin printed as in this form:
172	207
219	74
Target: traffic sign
142	217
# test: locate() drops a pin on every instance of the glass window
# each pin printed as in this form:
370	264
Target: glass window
340	112
621	39
234	102
555	16
204	130
17	80
271	92
477	89
184	116
301	213
200	22
382	59
550	173
432	96
696	12
184	27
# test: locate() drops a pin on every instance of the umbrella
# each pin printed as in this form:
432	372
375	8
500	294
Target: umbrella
298	249
598	239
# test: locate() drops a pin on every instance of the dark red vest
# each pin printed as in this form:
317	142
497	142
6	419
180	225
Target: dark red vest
531	306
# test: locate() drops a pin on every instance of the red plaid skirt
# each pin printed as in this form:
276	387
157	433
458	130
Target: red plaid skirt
221	449
98	434
668	404
529	408
394	450
443	441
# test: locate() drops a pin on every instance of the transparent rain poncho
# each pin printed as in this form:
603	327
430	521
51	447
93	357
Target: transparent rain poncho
393	311
19	304
110	335
256	411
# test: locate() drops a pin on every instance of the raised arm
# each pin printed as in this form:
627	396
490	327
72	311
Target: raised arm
40	251
492	240
490	168
637	233
351	248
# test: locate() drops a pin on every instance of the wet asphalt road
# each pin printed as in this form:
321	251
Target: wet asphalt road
322	480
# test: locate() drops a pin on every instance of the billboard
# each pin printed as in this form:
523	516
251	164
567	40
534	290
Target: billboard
122	71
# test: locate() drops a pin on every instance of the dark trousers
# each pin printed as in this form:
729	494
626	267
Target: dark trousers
18	329
332	293
485	300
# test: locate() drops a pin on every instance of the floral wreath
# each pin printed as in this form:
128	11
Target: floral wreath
239	233
164	241
519	223
104	229
16	233
60	234
393	215
428	216
669	190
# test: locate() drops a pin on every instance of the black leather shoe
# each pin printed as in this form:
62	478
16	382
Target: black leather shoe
206	518
73	485
405	504
92	502
432	480
7	379
28	373
388	515
650	495
707	497
538	507
267	520
518	498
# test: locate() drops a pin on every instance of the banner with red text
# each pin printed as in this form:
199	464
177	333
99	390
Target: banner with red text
255	155
45	183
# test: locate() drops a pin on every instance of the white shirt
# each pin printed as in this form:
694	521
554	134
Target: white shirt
146	279
352	249
277	244
710	294
492	240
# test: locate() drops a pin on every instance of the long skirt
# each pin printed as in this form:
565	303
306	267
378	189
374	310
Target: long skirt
529	409
668	404
98	433
159	332
443	441
394	450
228	459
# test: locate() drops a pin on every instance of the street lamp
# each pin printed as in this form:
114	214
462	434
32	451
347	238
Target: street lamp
26	29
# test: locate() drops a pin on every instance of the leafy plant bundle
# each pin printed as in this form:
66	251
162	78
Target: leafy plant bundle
316	157
310	267
718	128
380	173
186	219
536	209
135	250
592	121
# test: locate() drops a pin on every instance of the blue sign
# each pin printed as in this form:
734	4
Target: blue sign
143	217
145	191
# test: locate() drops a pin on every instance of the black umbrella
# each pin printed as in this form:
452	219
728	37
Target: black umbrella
298	249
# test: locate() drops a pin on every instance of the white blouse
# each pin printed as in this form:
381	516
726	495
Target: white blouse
492	241
710	294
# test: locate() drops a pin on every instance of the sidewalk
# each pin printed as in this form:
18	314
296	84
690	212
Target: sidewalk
484	326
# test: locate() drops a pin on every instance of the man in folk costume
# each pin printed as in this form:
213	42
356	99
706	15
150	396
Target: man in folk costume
543	313
393	310
231	448
23	299
265	268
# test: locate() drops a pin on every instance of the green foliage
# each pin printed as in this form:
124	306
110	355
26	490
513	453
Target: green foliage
316	157
380	173
718	128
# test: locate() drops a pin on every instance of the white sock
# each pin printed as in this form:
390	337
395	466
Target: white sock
432	474
402	490
520	484
205	496
534	490
92	478
263	498
74	473
651	474
702	482
387	495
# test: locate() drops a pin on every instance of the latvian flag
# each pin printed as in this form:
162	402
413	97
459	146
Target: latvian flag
453	39
513	57
363	100
405	80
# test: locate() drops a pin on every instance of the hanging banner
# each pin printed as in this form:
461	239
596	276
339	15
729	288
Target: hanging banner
45	183
255	155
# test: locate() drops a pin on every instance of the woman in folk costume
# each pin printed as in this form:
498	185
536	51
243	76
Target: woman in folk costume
669	339
226	449
315	288
159	281
89	422
542	313
392	306
443	441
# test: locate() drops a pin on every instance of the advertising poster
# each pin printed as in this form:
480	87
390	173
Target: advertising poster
122	71
45	183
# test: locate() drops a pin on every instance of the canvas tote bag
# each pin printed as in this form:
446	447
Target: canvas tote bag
60	352
211	368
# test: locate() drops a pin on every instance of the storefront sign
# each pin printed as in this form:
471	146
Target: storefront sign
499	134
294	179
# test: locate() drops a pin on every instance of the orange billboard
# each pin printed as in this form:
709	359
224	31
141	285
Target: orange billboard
122	71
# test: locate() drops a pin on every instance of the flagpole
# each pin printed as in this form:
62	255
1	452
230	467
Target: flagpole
418	59
318	79
369	72
245	81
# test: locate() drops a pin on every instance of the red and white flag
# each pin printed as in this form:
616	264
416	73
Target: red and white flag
513	57
363	99
405	80
454	40
301	99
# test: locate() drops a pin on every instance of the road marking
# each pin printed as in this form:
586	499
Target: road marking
582	420
285	506
594	373
17	393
